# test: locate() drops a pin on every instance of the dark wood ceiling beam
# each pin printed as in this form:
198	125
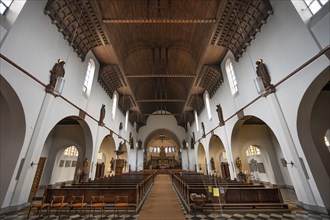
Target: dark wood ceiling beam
223	21
92	20
161	76
175	114
239	29
160	100
160	21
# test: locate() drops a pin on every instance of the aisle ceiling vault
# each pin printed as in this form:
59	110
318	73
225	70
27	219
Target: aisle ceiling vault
159	55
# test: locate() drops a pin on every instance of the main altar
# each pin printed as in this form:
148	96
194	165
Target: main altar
162	161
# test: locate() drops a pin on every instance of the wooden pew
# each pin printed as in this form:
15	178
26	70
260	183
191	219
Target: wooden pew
236	196
134	186
243	198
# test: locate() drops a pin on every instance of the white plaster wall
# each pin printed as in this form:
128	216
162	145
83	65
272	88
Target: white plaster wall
283	170
63	174
37	46
321	30
278	46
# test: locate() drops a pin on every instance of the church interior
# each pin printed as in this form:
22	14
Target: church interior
165	109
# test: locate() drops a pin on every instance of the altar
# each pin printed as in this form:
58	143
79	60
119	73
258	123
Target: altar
162	161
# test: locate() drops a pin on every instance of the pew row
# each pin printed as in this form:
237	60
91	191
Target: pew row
234	195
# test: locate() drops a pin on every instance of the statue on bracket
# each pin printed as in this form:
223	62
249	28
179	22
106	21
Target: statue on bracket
120	126
220	115
263	73
139	145
203	127
238	164
184	144
212	163
57	71
102	115
131	142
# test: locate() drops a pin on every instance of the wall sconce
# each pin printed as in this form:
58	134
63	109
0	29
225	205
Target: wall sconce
259	85
59	85
32	164
285	163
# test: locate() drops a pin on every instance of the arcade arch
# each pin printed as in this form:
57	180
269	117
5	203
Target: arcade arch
70	131
218	153
201	160
12	134
162	150
313	121
107	150
266	166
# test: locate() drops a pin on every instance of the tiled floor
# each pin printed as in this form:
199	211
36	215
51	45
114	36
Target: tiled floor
288	196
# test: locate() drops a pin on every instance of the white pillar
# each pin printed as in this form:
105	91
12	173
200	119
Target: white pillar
24	183
298	177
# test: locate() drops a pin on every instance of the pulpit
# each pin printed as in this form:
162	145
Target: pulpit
120	163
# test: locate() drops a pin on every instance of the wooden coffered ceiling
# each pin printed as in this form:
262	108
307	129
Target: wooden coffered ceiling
159	55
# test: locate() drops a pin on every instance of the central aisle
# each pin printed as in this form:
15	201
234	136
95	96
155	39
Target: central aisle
162	202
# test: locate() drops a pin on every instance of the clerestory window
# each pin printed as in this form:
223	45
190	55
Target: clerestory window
315	5
89	77
231	77
4	6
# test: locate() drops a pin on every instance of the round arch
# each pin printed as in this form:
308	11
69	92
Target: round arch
252	131
201	159
12	134
165	139
218	156
313	120
70	131
108	148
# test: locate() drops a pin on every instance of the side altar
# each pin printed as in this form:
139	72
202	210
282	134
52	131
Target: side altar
162	161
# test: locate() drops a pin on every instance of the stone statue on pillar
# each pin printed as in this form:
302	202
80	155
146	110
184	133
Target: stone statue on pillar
220	115
139	145
131	142
203	127
184	144
263	73
102	115
57	71
212	163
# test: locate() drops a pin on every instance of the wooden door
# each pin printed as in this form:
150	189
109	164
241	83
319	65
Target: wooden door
225	170
37	177
99	170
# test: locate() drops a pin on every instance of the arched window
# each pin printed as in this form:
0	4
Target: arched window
126	119
327	139
231	77
315	5
114	105
100	156
207	103
252	151
196	120
71	151
89	77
